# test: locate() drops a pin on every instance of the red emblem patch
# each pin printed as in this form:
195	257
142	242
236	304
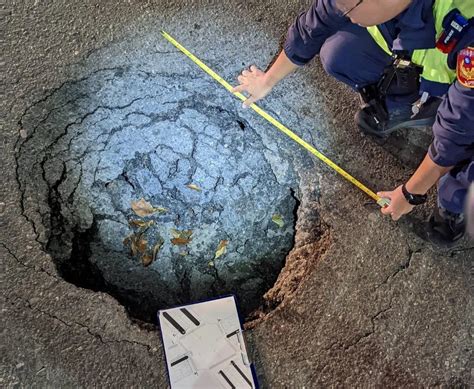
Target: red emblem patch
465	67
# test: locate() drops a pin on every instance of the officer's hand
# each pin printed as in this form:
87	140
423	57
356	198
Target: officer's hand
253	82
399	206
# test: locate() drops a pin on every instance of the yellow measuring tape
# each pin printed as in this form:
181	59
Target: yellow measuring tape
381	201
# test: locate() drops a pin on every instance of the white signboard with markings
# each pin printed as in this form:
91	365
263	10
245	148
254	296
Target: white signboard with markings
204	346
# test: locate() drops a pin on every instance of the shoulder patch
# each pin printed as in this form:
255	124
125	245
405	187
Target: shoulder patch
465	67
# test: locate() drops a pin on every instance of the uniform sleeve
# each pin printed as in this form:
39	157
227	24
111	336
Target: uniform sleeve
311	29
454	127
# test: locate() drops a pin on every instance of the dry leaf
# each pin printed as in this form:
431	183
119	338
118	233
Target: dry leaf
141	223
183	253
132	241
211	264
23	133
186	233
147	259
175	233
277	219
133	247
141	245
221	249
194	187
157	247
183	234
180	241
138	245
144	208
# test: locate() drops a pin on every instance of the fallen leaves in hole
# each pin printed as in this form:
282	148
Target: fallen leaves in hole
194	187
138	245
147	259
278	220
181	237
175	233
142	224
180	241
144	208
157	247
221	249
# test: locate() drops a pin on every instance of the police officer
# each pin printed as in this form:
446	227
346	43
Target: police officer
411	62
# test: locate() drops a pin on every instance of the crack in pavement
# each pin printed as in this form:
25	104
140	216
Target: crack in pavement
346	346
72	324
402	267
53	91
86	156
34	268
69	324
373	330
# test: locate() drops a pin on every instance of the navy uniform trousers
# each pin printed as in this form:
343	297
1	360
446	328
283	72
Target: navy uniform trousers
353	57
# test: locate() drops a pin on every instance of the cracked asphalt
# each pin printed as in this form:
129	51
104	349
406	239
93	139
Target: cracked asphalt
120	134
361	301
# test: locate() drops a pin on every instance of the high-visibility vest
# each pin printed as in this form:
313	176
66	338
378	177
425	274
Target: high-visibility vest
433	61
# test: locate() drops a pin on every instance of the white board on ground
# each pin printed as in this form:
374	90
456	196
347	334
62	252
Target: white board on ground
204	346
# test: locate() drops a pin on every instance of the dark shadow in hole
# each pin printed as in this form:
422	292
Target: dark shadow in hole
58	123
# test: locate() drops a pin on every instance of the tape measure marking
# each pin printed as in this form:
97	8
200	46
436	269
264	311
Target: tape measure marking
381	201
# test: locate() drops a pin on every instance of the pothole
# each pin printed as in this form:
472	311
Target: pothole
96	145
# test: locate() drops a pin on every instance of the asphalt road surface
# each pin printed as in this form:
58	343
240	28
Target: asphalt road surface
98	111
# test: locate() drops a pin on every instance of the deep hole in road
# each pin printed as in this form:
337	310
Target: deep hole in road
146	191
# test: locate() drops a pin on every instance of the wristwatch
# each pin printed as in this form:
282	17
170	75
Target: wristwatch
413	199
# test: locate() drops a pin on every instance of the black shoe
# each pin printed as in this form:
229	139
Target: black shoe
401	118
445	228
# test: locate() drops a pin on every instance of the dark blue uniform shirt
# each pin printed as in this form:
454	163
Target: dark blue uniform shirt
412	29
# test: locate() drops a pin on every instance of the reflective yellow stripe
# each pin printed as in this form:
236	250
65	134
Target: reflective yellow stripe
435	65
382	202
433	61
379	39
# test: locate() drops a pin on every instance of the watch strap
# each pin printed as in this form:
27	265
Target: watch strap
413	199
